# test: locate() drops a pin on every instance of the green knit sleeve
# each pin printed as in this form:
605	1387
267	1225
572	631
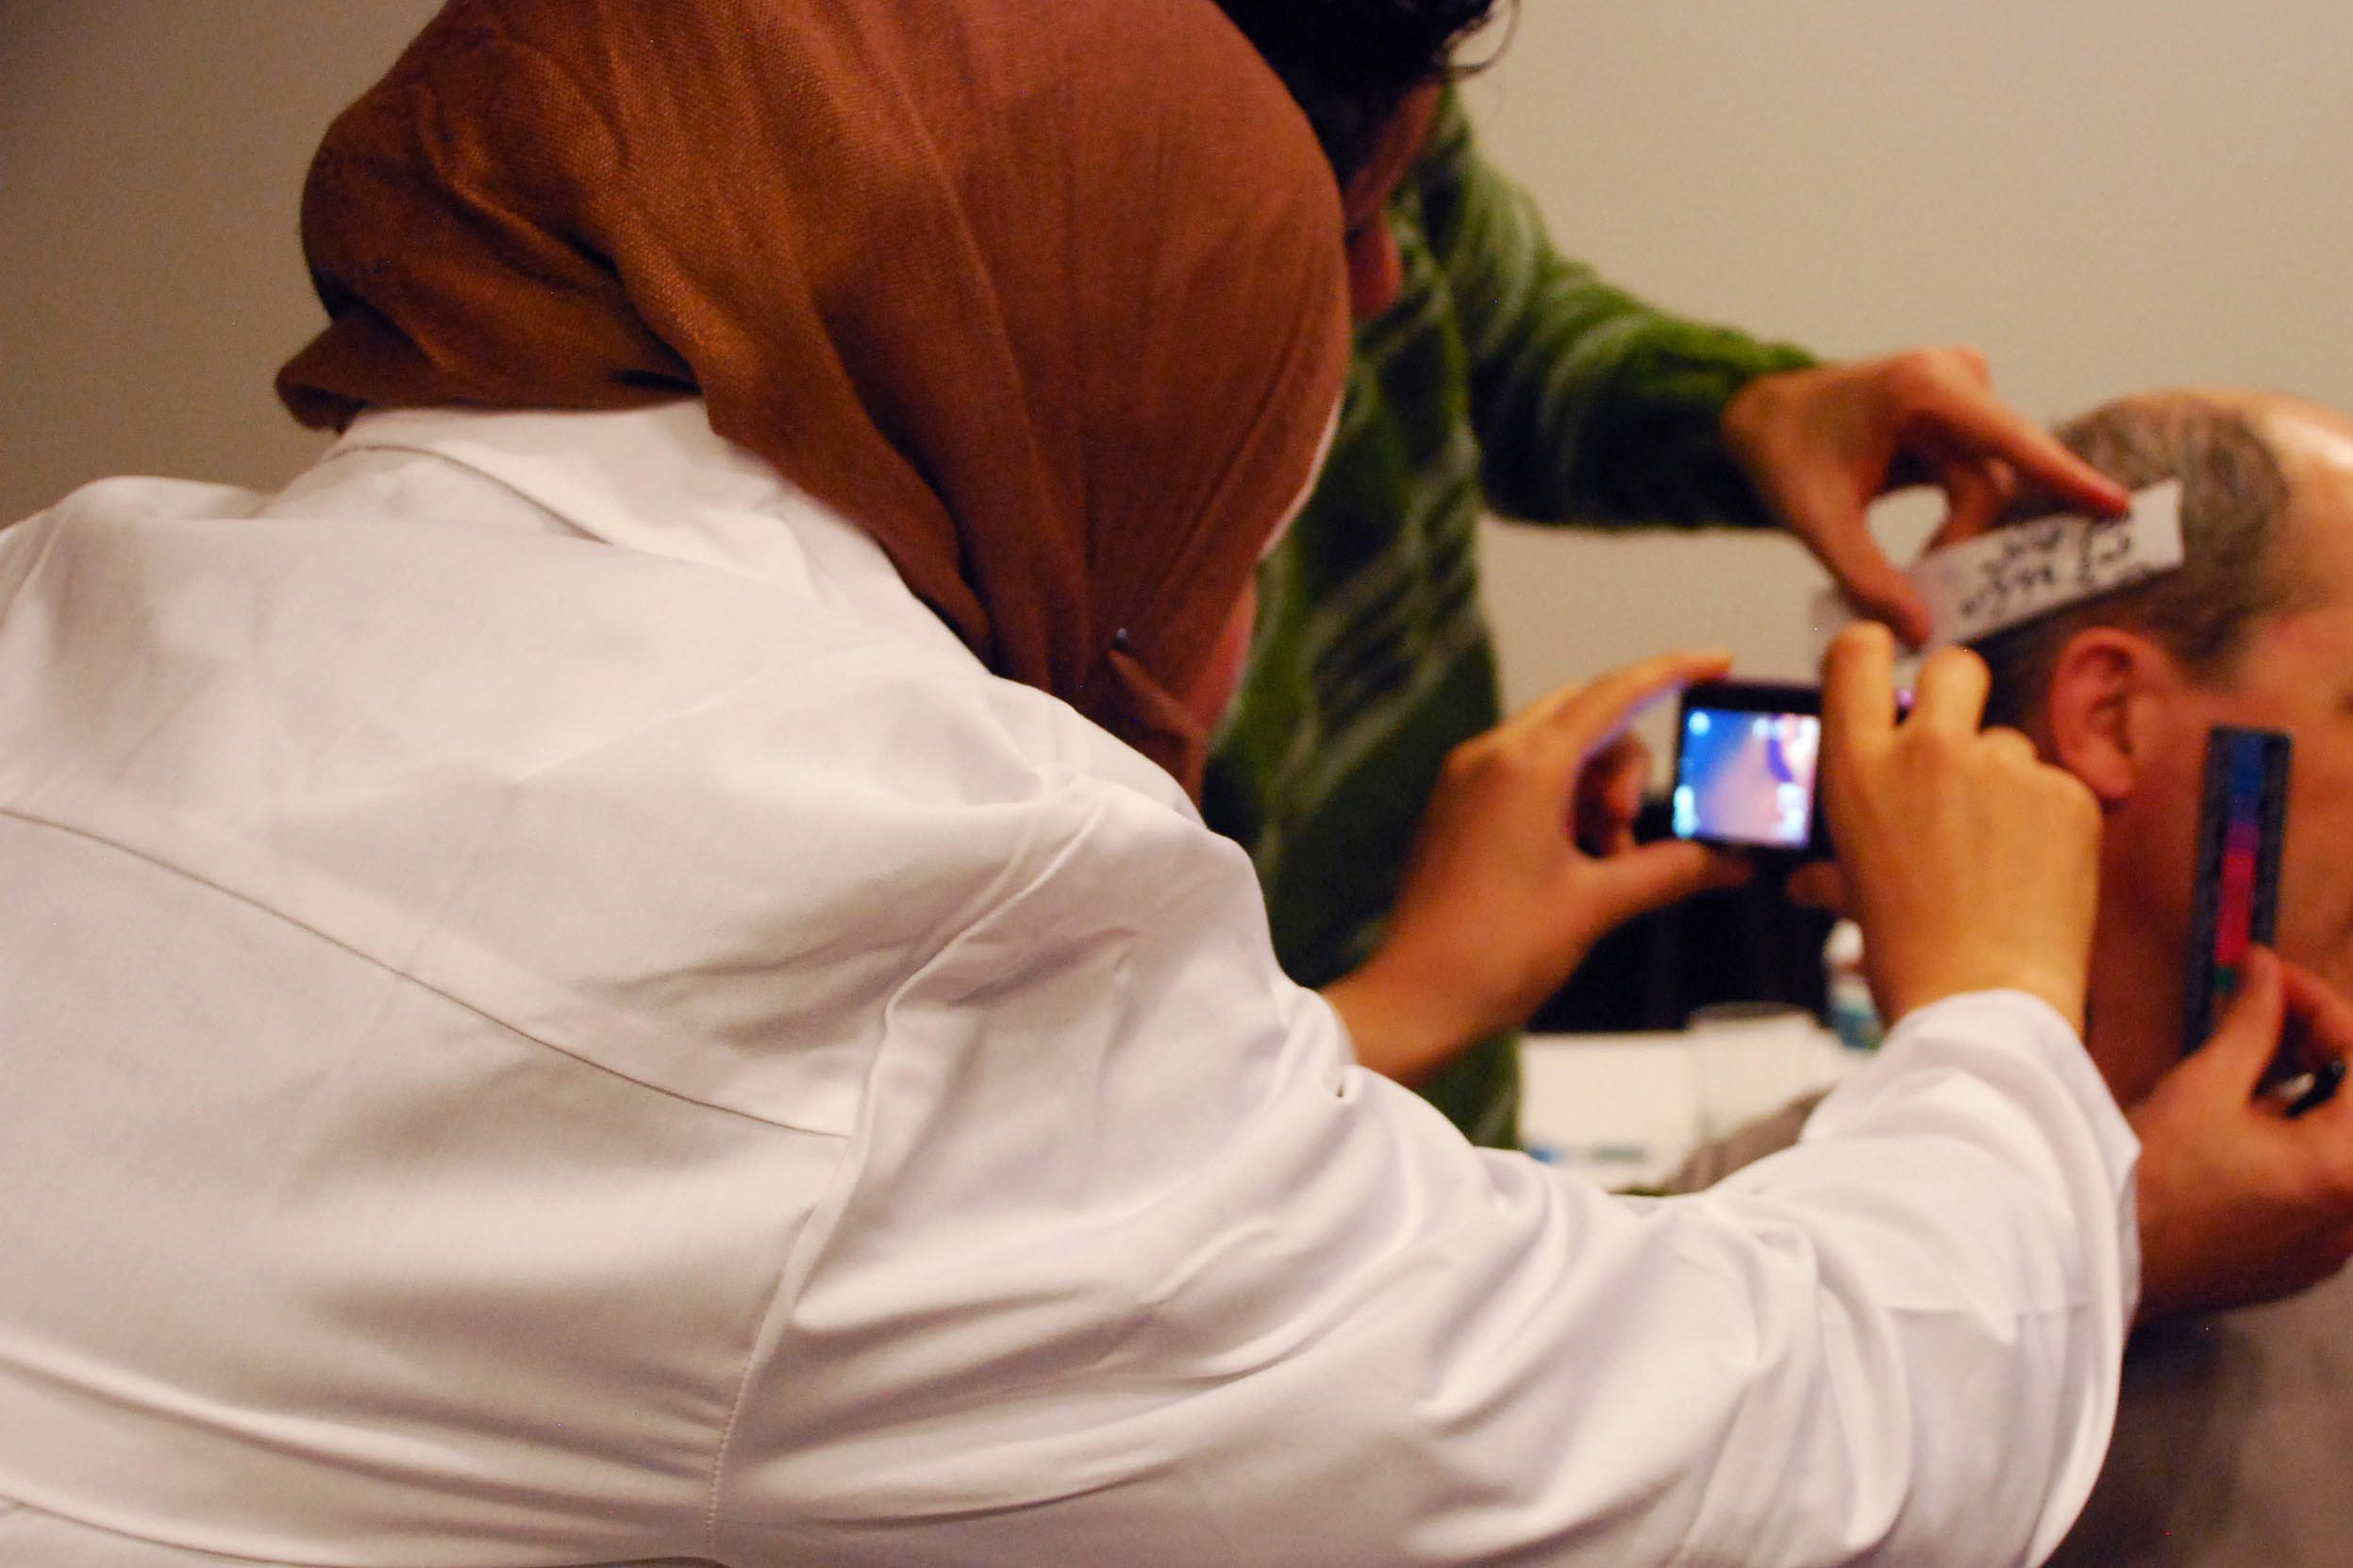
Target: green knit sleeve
1589	405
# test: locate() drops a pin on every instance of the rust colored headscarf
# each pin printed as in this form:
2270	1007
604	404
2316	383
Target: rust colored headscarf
1047	294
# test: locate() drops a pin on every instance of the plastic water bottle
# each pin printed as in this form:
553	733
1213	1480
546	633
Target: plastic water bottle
1852	1016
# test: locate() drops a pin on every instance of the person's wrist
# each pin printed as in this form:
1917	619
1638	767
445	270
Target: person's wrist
1409	1015
2052	984
1751	410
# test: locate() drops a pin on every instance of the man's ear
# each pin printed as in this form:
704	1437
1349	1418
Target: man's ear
2100	706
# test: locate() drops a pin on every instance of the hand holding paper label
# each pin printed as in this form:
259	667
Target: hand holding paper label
2016	573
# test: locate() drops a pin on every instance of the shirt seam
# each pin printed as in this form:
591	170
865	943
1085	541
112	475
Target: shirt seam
407	975
808	1237
9	1503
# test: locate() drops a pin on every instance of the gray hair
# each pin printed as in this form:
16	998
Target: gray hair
2235	569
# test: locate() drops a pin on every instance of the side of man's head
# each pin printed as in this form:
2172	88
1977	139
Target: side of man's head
2255	628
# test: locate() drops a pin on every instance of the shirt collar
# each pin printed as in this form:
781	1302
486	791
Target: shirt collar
660	481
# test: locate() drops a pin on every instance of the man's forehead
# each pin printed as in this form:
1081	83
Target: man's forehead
2310	441
2330	425
2311	625
2315	444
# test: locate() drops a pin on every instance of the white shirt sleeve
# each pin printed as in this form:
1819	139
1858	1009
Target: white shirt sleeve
1130	1264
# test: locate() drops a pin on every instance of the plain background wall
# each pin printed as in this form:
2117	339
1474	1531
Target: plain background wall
2102	194
151	162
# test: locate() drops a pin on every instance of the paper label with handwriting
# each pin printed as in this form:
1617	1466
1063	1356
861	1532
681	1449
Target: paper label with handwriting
2022	570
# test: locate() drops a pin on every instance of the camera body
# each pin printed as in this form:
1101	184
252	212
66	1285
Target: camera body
1748	766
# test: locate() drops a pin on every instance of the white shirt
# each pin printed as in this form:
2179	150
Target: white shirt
553	1014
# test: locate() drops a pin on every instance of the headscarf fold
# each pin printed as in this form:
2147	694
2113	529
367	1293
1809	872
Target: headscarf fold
1047	296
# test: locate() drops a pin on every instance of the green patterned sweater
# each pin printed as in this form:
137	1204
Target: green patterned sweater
1505	377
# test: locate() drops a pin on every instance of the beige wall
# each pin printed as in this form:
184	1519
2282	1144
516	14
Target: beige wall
2101	193
151	162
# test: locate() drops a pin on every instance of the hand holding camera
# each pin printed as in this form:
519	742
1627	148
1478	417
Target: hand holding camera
1525	854
1972	865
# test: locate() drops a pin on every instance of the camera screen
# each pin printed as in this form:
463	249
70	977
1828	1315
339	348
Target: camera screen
1746	777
